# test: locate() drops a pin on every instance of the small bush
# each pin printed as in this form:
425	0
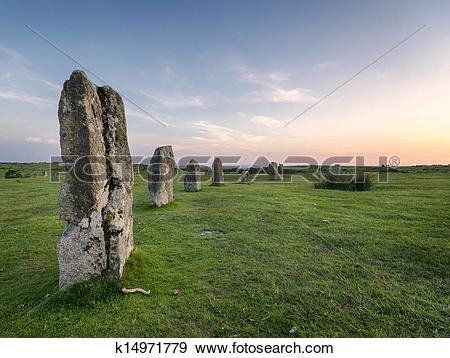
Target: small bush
13	174
342	183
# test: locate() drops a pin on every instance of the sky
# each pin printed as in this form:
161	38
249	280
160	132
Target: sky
226	76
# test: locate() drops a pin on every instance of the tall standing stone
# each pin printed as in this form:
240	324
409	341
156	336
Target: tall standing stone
95	198
160	176
193	176
244	177
273	171
217	172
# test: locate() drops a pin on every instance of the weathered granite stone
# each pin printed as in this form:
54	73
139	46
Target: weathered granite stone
244	177
35	175
273	171
95	198
217	172
193	176
44	174
160	176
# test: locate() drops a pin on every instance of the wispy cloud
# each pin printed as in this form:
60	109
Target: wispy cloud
272	90
24	97
266	121
252	138
214	133
277	76
178	100
326	64
21	68
207	140
300	95
49	84
16	56
41	140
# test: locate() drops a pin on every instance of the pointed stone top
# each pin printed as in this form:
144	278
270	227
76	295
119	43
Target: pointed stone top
78	85
78	75
193	166
164	149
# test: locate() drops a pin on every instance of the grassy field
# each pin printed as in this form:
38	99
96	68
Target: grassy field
379	268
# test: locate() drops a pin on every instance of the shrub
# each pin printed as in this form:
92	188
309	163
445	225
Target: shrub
329	181
13	174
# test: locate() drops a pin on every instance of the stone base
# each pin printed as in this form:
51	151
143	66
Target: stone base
81	253
192	186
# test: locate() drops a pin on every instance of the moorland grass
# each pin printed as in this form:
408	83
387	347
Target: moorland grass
379	268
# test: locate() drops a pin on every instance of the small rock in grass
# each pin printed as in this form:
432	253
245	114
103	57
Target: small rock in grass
315	204
65	319
211	233
293	330
251	320
47	295
1	270
325	221
175	292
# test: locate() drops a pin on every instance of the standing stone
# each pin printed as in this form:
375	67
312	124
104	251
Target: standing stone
337	169
160	176
273	171
95	198
35	175
193	176
217	172
244	177
44	173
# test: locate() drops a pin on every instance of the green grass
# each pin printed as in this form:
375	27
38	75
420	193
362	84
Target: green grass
379	268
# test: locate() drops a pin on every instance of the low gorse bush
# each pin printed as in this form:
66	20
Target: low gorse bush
329	181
